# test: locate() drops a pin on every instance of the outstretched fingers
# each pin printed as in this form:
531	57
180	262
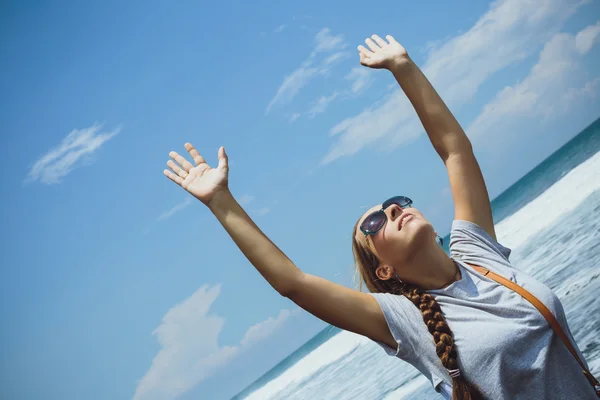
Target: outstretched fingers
364	52
372	45
198	159
380	42
185	164
175	178
177	169
365	55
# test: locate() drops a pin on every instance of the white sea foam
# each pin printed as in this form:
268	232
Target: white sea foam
327	353
405	391
556	202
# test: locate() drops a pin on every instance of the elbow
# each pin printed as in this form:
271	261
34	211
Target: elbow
284	290
289	287
462	145
458	146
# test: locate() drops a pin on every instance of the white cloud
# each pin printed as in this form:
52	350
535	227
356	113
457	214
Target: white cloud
321	104
586	38
61	160
553	85
264	329
332	59
510	31
280	28
328	42
373	124
263	211
169	213
589	89
361	79
245	199
190	352
291	86
294	82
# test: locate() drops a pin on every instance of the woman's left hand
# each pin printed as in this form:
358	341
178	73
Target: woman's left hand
383	54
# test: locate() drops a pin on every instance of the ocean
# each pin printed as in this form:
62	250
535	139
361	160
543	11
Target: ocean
550	219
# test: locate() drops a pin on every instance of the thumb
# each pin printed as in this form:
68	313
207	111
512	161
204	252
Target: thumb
223	161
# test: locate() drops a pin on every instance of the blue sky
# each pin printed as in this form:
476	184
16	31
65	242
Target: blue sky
115	284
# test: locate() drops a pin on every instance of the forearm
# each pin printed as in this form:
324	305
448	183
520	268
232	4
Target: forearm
444	131
266	257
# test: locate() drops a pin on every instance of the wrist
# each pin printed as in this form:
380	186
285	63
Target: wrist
400	64
221	199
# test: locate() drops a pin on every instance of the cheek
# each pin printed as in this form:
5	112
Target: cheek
389	243
422	218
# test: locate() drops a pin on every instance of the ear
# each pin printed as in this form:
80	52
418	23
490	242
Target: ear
384	272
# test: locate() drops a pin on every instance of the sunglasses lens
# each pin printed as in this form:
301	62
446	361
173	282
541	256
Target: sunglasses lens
376	220
401	201
373	222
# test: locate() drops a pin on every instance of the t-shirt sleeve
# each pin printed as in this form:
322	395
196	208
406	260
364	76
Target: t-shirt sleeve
468	240
400	316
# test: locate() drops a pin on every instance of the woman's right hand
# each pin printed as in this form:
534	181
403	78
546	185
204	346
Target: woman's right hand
202	181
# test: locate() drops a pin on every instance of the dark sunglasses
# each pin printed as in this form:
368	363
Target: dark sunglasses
377	219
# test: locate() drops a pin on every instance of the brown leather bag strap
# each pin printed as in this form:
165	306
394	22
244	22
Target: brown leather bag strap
546	313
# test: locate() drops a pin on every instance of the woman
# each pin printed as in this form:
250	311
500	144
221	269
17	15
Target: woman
471	337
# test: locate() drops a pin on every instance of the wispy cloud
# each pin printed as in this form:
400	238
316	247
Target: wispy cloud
69	154
554	84
262	211
327	42
332	59
587	37
245	199
264	329
190	351
509	32
169	213
292	84
280	28
360	79
321	104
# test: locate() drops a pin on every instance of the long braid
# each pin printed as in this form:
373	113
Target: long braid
436	324
444	342
430	310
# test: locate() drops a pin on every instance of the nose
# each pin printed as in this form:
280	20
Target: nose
393	212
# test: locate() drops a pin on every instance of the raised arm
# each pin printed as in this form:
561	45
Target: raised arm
340	306
471	200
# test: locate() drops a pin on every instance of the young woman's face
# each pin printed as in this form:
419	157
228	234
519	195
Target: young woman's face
401	236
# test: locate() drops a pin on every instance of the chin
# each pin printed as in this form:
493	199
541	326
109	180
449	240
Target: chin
418	231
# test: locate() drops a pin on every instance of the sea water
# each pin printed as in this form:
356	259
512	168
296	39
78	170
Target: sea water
550	219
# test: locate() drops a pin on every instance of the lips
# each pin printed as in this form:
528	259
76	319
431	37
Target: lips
405	218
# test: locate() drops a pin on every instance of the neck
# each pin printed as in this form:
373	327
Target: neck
432	268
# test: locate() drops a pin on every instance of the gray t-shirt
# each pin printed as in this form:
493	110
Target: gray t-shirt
504	345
